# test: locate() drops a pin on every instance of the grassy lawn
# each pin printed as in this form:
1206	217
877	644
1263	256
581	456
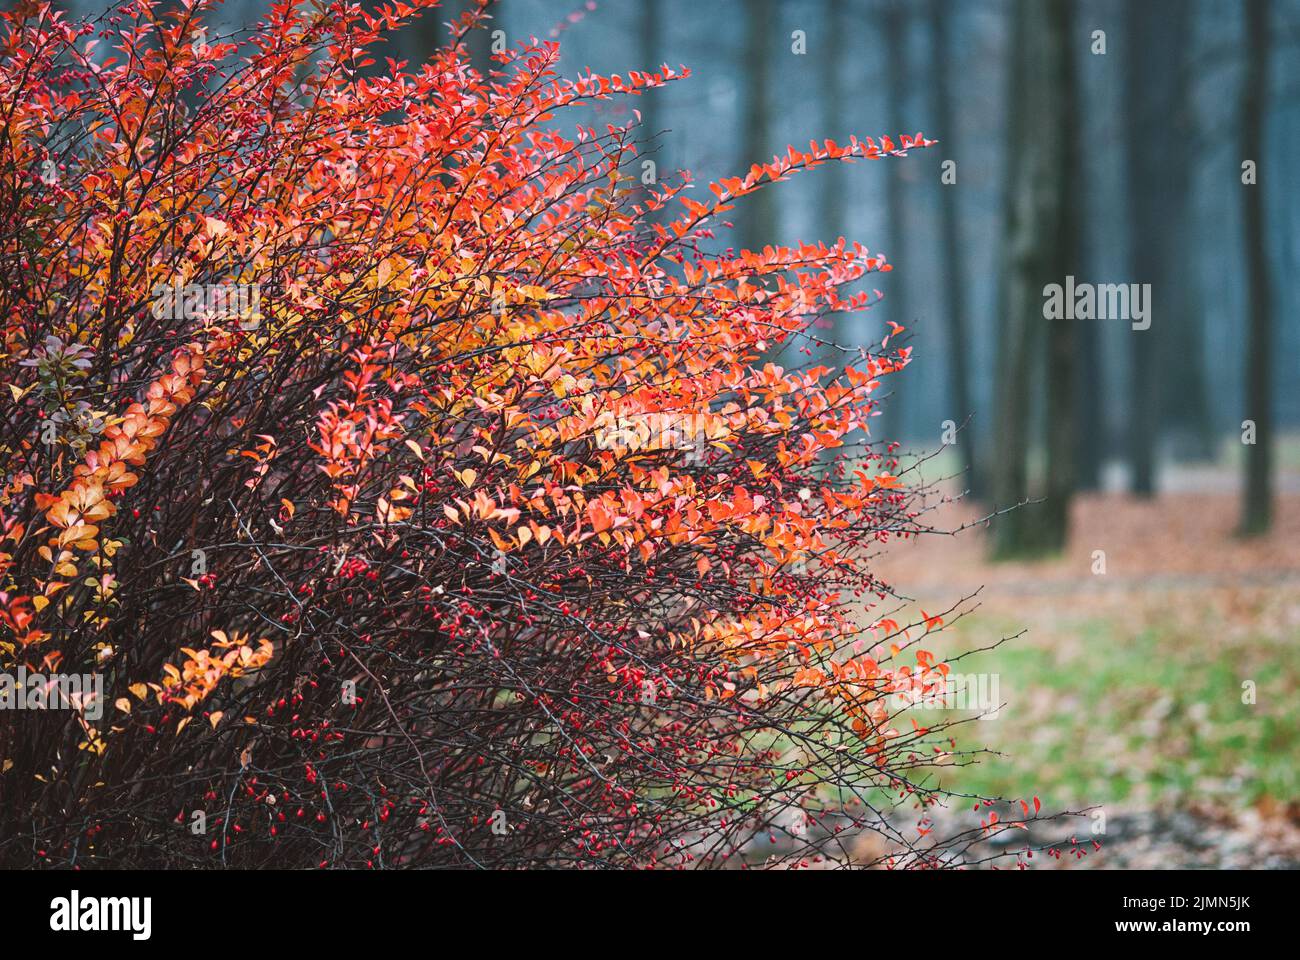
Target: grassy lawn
1143	716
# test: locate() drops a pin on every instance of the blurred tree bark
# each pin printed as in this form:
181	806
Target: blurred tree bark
959	398
1158	33
651	103
1063	336
831	51
479	41
759	219
892	420
1257	505
418	41
832	198
1185	405
421	38
1032	254
1089	428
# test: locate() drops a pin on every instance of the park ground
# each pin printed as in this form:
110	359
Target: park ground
1124	689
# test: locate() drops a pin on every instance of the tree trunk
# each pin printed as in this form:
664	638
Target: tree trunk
959	400
1090	428
1151	66
1063	335
1257	504
831	51
897	308
759	219
1031	250
650	104
832	196
1185	408
417	41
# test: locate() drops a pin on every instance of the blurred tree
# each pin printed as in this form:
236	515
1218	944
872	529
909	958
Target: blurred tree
1063	335
1141	70
1088	426
959	399
758	220
832	198
893	418
1158	35
1037	132
1257	505
1185	407
480	40
652	45
651	102
418	41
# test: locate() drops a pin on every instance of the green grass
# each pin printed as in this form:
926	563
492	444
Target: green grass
1140	717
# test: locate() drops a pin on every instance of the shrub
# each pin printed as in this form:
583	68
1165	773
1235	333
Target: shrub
419	486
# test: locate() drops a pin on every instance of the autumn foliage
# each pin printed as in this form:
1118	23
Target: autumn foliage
514	527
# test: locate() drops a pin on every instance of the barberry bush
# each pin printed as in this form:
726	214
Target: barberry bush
422	486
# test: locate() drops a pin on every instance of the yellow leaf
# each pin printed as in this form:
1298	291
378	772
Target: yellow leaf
387	513
140	690
415	448
215	718
40	603
468	476
123	704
